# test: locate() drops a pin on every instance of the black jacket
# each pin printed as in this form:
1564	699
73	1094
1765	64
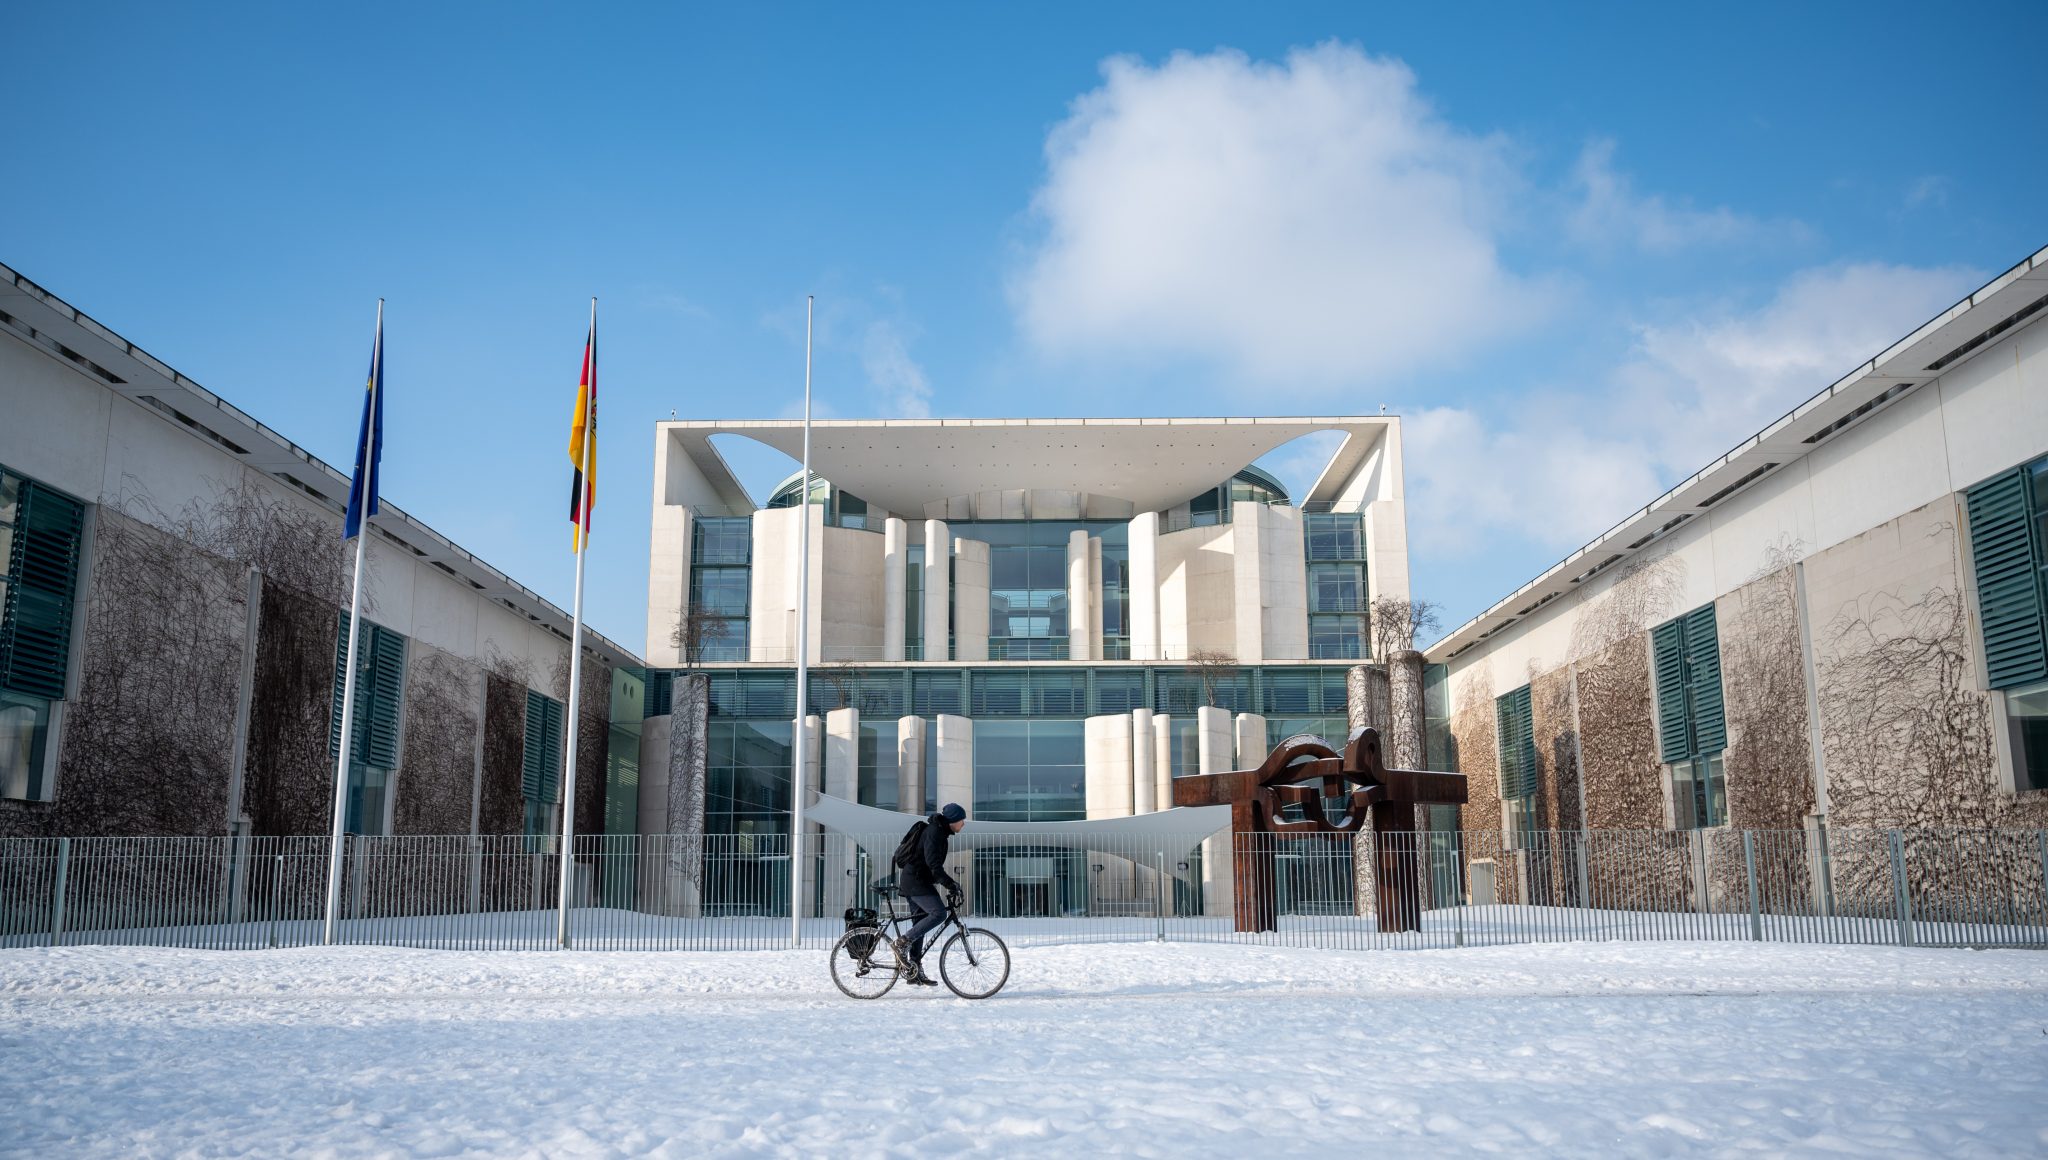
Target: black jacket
927	865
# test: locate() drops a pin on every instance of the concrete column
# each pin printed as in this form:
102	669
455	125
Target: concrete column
1216	747
1095	597
1078	611
956	782
895	574
1248	583
910	765
842	780
1144	567
1404	699
938	568
814	773
1107	758
679	883
1162	761
970	600
1250	736
1144	775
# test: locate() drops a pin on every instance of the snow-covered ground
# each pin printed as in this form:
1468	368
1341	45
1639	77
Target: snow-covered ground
1142	1049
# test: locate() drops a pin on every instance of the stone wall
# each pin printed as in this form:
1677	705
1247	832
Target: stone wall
288	783
1769	766
499	806
148	737
436	788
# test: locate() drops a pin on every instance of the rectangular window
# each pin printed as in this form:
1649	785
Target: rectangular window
2026	718
24	736
43	531
540	780
913	603
935	693
1117	691
1335	545
1335	536
721	582
379	708
1514	729
2009	551
1692	728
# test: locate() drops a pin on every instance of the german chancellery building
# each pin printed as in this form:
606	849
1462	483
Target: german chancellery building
1838	624
1042	619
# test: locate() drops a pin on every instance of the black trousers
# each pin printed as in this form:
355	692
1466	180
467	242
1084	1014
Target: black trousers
924	903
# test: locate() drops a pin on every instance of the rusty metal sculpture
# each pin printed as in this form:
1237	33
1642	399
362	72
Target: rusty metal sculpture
1284	798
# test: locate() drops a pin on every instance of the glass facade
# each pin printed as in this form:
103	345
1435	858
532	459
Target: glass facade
2026	717
41	537
1334	543
721	582
1028	771
1028	615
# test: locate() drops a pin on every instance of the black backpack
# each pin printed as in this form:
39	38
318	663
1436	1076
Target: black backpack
907	849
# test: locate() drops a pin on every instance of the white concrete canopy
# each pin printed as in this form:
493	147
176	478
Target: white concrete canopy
901	465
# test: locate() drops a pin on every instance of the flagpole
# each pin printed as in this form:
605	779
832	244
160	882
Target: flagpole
803	656
355	630
576	647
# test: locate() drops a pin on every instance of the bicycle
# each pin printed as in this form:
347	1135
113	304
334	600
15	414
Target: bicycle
973	963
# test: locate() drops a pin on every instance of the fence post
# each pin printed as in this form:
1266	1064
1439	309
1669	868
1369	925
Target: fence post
276	898
1458	902
1902	900
1165	893
57	894
2044	871
1756	914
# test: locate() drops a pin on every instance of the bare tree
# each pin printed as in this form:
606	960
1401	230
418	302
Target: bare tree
1212	666
694	631
1396	621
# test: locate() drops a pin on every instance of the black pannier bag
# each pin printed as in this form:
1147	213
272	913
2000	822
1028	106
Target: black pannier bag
865	925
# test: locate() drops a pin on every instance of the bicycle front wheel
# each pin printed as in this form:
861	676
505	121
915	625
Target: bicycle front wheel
975	964
864	964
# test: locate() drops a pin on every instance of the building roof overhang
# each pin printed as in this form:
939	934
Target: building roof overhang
61	331
901	465
2011	300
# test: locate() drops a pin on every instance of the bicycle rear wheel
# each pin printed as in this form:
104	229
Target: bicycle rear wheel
975	964
864	964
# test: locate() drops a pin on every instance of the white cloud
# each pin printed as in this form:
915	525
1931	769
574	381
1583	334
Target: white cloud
1312	222
900	383
1565	467
1611	213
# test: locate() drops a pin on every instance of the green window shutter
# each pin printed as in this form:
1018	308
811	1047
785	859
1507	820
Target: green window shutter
1000	693
1514	729
380	694
1292	692
2008	583
35	625
540	773
1703	677
387	697
1667	643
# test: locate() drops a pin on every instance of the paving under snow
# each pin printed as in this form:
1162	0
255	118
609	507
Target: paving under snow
1143	1049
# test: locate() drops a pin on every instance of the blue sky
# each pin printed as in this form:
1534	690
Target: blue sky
1582	250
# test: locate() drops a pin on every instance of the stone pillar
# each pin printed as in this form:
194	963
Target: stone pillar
1248	563
681	886
938	568
842	780
1107	768
910	765
1216	748
970	600
1405	711
1095	597
1144	569
1079	612
1368	701
1162	760
895	582
805	863
956	782
1366	698
1144	769
1250	730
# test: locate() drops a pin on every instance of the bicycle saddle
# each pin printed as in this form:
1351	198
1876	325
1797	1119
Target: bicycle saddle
886	890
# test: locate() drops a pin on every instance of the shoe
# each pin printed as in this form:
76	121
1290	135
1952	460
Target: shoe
919	979
902	948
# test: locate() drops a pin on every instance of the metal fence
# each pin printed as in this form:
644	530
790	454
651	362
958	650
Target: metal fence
1980	888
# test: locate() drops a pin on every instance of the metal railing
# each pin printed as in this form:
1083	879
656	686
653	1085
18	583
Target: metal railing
732	891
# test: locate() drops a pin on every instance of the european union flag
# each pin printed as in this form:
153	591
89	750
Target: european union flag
362	491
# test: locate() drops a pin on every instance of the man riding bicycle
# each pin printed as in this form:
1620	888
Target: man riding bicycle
921	870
